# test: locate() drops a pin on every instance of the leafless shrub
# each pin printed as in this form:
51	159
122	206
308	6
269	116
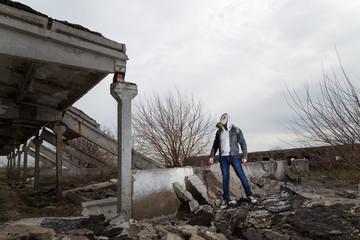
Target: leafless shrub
172	128
331	119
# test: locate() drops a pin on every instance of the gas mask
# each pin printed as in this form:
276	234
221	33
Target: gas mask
223	120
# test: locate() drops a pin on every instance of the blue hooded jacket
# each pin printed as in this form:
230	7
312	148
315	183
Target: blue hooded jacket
236	137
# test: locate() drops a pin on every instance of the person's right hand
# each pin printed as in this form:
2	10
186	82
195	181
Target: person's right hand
211	161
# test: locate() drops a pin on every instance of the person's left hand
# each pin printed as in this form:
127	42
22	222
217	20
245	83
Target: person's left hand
244	160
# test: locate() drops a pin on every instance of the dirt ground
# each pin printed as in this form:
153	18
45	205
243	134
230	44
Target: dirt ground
18	201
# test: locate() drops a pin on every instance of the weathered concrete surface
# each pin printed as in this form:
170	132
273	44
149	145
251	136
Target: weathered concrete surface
96	187
80	124
45	66
47	176
186	196
107	207
124	93
196	185
154	196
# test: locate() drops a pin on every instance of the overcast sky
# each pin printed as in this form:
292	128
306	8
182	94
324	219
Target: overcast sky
235	56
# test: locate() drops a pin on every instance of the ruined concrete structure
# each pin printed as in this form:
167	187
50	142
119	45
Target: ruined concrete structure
45	66
154	196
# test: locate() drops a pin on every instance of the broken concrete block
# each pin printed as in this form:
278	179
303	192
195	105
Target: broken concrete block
41	233
196	237
214	186
98	187
293	173
118	219
214	236
302	165
108	207
198	189
147	231
183	194
188	230
162	230
173	236
193	205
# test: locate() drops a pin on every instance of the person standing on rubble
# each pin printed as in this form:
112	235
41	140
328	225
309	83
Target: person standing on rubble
227	140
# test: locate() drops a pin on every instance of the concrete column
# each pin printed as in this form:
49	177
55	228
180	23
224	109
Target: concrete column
13	167
8	167
18	165
7	164
13	156
59	130
124	92
25	151
37	141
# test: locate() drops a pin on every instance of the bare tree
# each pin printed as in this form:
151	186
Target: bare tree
172	128
331	119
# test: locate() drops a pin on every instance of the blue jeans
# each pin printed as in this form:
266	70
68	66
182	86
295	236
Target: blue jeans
235	161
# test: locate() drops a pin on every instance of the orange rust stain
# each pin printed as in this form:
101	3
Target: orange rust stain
79	128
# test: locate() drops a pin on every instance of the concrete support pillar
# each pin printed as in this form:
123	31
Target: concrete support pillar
25	151
124	92
59	130
13	166
8	162
8	167
18	165
37	141
13	156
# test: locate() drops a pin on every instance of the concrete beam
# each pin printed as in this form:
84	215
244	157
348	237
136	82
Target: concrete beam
91	133
79	123
51	155
9	109
68	45
73	150
43	159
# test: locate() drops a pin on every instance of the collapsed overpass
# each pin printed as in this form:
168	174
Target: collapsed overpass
46	65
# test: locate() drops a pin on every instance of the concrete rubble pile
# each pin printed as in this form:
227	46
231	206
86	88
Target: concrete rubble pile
285	210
